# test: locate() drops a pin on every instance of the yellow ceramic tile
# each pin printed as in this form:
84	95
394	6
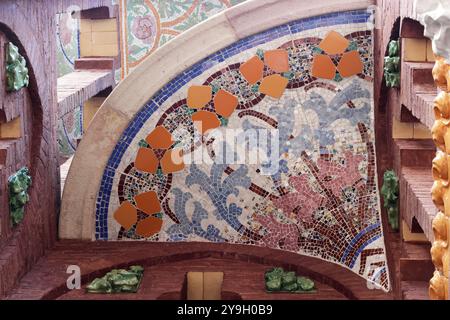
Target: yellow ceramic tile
108	37
86	45
212	285
11	129
430	54
421	131
90	108
273	86
194	285
334	43
402	130
104	25
414	50
85	25
199	96
105	50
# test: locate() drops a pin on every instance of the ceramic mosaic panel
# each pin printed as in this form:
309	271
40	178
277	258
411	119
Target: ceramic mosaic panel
68	50
68	43
69	130
148	24
322	199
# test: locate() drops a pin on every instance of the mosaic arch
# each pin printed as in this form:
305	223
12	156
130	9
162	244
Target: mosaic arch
312	80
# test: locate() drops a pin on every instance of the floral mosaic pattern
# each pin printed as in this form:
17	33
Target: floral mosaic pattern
148	24
323	199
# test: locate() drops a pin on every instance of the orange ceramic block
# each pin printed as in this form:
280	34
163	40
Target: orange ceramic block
277	60
334	43
198	96
350	64
205	120
159	138
323	67
225	103
148	227
146	160
172	161
148	202
126	215
273	86
252	70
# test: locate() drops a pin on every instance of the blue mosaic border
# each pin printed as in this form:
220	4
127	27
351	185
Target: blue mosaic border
340	18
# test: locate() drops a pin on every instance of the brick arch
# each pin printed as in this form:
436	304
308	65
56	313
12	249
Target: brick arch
24	244
150	255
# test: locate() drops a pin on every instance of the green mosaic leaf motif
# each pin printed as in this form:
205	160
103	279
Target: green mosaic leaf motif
260	53
338	77
278	280
288	75
18	185
143	144
223	121
390	193
118	280
255	88
352	46
16	69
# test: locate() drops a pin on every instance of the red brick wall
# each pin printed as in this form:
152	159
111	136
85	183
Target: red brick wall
31	28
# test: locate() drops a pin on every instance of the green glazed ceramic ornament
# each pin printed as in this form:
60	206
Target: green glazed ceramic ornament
16	69
391	65
18	185
389	191
278	280
118	280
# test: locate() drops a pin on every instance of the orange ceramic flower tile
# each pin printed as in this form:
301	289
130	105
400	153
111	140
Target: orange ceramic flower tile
198	96
323	67
148	227
126	215
172	161
159	138
252	70
334	43
273	85
146	160
148	202
225	103
205	120
277	60
350	64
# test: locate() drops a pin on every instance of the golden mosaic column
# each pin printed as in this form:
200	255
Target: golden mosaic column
440	251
